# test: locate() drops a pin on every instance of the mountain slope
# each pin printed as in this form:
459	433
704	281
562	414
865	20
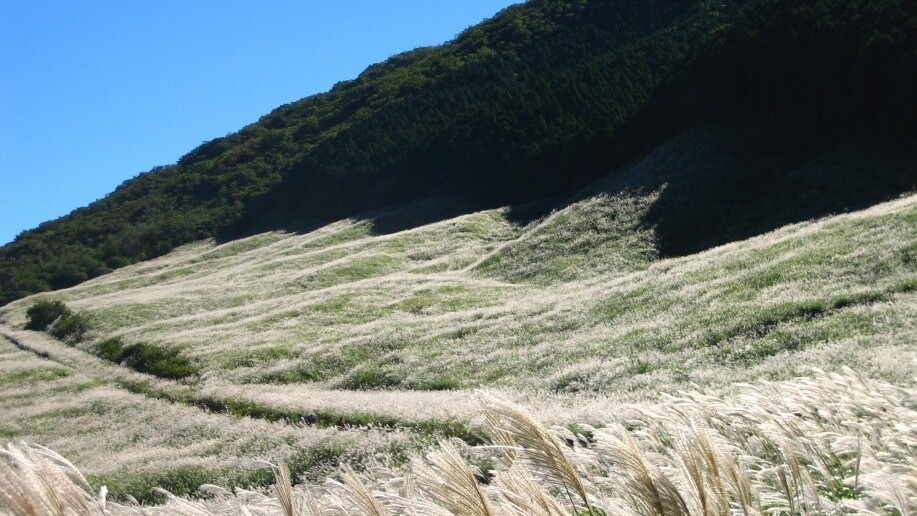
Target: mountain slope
342	324
431	308
535	103
476	113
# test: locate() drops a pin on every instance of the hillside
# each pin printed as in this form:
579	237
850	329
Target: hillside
681	233
534	105
344	307
288	325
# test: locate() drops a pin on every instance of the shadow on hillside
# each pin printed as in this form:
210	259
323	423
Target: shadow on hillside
718	187
524	214
431	210
717	184
715	187
273	221
400	217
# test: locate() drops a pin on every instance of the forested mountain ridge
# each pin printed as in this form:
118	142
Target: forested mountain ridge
536	102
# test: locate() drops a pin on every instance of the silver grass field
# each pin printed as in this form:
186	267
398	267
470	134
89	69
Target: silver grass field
826	444
479	366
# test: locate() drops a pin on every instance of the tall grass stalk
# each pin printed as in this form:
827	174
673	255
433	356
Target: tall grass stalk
829	444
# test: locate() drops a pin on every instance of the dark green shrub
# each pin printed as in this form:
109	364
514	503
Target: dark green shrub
111	350
179	481
43	313
71	328
147	358
157	361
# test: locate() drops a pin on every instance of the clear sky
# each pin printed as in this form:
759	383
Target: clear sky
94	92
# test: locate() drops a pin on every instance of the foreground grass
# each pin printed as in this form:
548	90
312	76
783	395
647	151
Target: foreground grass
150	441
828	444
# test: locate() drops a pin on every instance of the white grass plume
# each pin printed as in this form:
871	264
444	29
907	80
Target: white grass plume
45	483
538	448
644	486
830	444
447	479
522	494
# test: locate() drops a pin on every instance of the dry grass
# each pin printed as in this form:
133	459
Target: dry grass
400	330
132	441
825	444
341	309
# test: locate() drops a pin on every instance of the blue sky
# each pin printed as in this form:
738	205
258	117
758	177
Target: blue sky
94	92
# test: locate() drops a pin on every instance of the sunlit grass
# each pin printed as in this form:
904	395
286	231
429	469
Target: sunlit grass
826	444
395	330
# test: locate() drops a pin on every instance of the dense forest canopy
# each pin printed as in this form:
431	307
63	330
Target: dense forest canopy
534	103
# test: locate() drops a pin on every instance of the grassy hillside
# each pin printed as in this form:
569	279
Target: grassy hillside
578	205
480	299
339	326
535	103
